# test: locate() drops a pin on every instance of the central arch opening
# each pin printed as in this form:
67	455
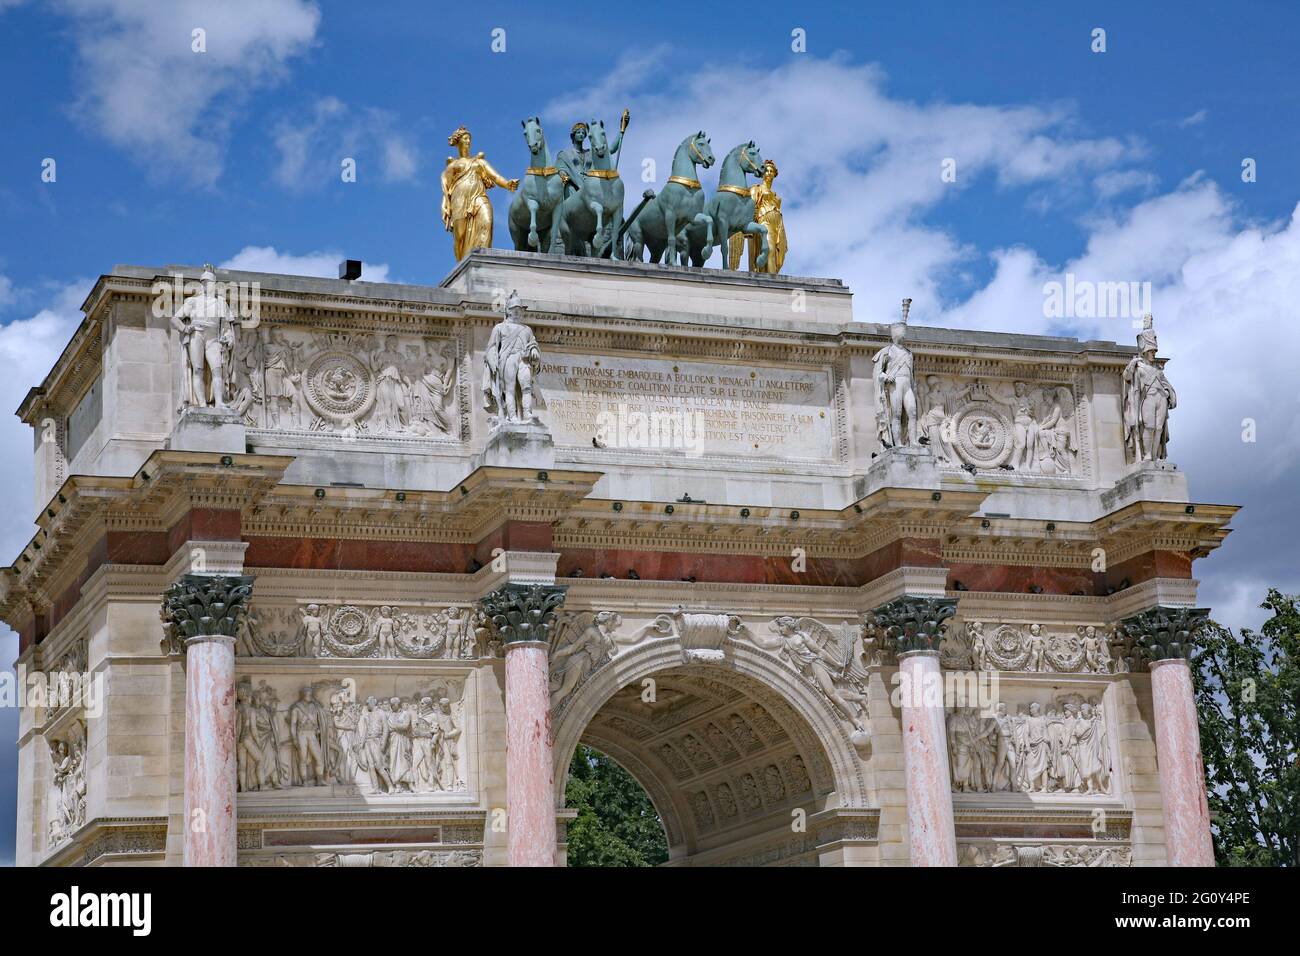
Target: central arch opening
733	771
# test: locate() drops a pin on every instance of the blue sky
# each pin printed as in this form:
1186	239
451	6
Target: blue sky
1119	166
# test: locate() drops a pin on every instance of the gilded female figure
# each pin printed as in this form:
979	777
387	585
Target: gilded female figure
767	210
466	211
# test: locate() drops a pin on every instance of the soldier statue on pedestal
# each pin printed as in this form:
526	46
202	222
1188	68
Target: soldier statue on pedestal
206	324
509	363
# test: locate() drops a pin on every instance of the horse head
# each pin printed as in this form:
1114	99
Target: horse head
700	149
533	135
751	160
599	139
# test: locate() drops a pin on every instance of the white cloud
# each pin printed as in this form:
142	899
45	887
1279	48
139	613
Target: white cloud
29	347
1226	297
859	169
144	88
1196	119
324	264
1111	184
312	148
860	178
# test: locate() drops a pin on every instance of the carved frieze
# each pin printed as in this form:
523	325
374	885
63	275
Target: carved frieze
831	663
1062	747
348	384
584	641
1038	854
64	678
1030	428
329	737
364	631
385	858
66	788
985	646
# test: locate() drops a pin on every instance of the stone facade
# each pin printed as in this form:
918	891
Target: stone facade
695	552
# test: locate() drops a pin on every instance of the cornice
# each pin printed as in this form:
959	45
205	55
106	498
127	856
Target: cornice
487	498
1137	528
165	487
872	522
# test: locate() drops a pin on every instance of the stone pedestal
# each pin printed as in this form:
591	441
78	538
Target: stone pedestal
931	832
907	466
519	445
1182	774
209	429
210	781
530	774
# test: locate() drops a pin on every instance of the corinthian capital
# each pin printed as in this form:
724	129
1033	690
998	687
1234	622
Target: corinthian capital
201	605
912	623
1160	633
523	612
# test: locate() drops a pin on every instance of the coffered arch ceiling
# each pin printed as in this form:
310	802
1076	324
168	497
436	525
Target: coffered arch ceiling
724	758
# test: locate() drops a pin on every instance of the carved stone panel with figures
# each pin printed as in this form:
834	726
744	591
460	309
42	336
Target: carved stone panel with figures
985	646
1025	427
1036	854
366	735
1059	747
66	790
364	631
350	385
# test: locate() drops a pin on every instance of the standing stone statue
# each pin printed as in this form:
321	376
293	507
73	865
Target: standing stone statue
1148	398
206	324
466	210
896	421
509	364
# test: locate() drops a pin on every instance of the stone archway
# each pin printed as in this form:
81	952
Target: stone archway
742	758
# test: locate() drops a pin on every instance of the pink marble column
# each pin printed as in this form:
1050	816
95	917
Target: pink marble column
931	832
530	774
1182	775
210	780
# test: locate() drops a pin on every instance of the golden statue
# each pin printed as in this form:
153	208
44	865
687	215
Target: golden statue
767	210
466	211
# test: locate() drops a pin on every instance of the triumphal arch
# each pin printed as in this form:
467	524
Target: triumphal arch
335	573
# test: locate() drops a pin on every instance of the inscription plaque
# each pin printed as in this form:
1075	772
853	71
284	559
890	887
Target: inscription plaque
702	408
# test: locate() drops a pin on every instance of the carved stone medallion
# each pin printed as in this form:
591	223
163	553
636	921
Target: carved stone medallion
349	627
339	386
982	434
1008	650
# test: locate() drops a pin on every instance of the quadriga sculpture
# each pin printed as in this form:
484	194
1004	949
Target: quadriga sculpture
534	219
662	222
592	218
731	210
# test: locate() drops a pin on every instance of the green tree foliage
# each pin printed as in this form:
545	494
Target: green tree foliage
1248	699
616	823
